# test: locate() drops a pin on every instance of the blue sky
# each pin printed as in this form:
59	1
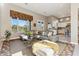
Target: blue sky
19	22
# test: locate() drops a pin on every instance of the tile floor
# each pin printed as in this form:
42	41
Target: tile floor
19	49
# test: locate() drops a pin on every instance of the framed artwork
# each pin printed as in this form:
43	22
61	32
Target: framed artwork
34	24
49	26
40	24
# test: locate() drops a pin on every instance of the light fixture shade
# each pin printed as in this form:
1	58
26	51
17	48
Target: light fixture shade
61	19
67	19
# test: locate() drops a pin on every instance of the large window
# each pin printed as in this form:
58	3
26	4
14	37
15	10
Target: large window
20	25
14	24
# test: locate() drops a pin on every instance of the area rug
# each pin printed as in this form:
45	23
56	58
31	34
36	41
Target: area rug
68	50
5	51
61	46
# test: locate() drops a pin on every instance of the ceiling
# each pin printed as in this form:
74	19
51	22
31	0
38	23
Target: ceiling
48	9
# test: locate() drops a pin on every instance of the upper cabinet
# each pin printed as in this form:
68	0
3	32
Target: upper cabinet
63	22
65	19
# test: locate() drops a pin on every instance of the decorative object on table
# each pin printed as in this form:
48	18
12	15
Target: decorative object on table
24	37
27	35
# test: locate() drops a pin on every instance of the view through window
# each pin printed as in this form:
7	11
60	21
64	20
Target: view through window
20	25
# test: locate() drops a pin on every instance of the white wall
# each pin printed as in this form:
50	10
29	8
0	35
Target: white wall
4	18
74	22
0	18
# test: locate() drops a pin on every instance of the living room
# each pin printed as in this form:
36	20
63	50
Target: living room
43	21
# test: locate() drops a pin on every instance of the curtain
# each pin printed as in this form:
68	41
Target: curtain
15	14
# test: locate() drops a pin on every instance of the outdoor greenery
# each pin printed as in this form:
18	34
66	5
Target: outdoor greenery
22	26
22	29
14	28
25	31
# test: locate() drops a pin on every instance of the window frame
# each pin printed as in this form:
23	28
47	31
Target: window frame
17	24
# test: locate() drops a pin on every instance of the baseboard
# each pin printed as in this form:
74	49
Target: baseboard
74	43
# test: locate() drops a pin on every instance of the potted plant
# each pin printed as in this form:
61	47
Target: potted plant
29	33
7	34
